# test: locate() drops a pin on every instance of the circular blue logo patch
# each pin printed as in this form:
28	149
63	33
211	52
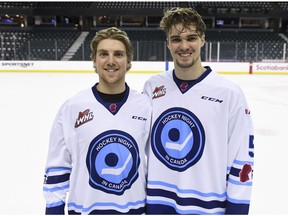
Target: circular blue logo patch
112	161
178	138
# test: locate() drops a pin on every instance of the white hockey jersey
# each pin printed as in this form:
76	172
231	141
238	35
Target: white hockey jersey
201	153
97	154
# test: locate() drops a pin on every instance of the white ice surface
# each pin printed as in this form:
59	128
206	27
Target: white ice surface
29	102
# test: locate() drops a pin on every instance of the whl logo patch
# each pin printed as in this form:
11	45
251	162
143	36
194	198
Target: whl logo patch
159	92
84	117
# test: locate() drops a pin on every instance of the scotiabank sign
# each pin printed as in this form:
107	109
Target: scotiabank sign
270	68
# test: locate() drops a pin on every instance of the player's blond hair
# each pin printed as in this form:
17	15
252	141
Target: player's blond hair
184	16
112	33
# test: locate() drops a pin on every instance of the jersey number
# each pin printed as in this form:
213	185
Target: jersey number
251	146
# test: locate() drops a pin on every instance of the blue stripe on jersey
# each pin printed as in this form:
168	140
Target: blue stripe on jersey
187	201
57	210
57	179
187	191
240	163
110	204
55	188
239	183
243	162
57	169
238	209
159	209
162	207
236	201
51	205
235	171
111	212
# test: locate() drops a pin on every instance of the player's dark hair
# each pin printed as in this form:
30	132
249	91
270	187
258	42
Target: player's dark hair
185	16
112	33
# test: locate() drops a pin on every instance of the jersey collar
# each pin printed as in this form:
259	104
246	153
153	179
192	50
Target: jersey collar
112	107
185	85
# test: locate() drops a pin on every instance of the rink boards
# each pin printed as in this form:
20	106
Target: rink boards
142	67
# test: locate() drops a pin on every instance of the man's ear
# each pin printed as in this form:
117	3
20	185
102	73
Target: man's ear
167	43
129	65
94	66
203	40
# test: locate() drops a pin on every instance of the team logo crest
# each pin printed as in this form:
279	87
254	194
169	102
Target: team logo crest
183	86
113	107
178	139
112	161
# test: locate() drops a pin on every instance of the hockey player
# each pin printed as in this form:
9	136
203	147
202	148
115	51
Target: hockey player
97	142
201	155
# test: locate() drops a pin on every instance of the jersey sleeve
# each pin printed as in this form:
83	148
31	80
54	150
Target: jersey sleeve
240	158
145	89
58	168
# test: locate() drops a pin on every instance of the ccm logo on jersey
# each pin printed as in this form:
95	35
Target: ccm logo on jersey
159	92
84	117
139	118
247	111
211	99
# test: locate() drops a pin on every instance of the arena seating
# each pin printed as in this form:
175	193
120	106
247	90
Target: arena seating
253	6
12	41
52	44
235	44
247	45
233	6
149	45
283	5
136	5
44	4
37	44
250	45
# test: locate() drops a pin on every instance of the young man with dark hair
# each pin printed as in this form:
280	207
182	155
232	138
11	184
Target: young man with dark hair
201	152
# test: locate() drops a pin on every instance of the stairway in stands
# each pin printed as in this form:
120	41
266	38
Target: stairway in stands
75	46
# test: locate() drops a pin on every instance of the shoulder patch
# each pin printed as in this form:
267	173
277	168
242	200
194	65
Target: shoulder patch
84	117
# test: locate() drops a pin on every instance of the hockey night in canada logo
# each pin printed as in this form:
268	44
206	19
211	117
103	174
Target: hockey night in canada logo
112	161
178	139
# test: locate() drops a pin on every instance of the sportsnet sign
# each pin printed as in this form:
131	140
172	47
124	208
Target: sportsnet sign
15	64
47	66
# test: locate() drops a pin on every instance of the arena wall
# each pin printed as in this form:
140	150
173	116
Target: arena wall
140	67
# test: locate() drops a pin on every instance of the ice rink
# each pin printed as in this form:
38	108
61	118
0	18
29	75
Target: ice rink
29	102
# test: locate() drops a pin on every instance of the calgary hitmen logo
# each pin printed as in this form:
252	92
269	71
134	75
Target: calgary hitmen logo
112	161
246	173
178	139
